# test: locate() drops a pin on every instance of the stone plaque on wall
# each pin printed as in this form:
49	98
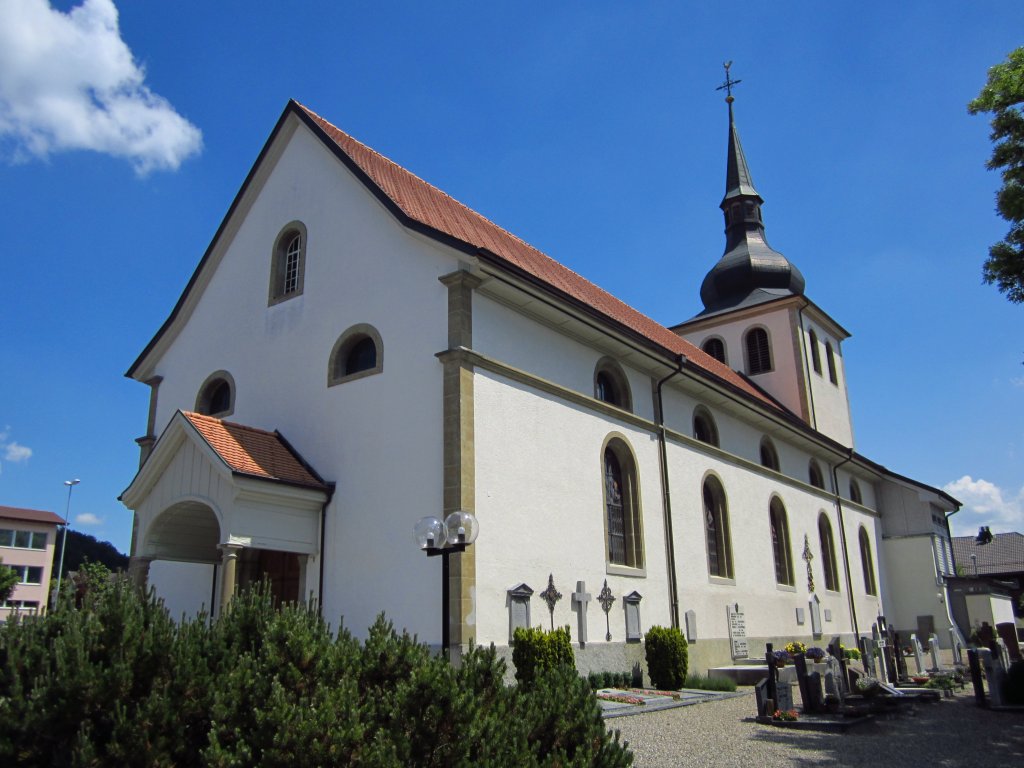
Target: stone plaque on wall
737	631
691	626
815	606
632	603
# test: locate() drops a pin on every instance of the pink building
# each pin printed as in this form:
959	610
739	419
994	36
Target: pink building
27	539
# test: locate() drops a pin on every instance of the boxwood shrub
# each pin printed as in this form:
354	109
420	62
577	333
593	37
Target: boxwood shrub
666	658
535	649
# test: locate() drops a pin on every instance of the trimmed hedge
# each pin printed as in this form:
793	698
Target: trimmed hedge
535	650
667	658
116	682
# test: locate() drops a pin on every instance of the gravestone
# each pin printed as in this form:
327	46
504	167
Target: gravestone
933	647
691	626
918	654
867	656
831	685
580	598
784	691
974	664
814	689
837	663
518	608
1008	632
901	660
994	675
881	643
1003	657
761	697
737	631
815	606
632	606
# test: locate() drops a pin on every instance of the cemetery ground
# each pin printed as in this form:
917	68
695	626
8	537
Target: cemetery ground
721	731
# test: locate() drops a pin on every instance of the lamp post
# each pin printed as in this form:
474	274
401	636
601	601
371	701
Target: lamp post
438	538
64	540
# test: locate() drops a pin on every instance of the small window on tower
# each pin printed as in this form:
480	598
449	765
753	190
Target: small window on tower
759	356
815	354
830	357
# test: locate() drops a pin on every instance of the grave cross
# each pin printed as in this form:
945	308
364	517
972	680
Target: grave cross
607	600
580	598
551	596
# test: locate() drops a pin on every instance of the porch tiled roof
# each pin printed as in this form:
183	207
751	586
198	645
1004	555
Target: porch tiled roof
30	515
427	205
255	452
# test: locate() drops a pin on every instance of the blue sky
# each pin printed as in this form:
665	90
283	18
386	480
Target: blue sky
590	129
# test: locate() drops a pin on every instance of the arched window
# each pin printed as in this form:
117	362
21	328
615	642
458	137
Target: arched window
217	395
815	354
704	428
867	562
716	348
769	456
611	385
622	507
814	476
780	543
716	528
288	263
855	494
828	553
830	358
759	356
358	352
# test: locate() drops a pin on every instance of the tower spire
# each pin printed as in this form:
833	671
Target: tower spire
750	271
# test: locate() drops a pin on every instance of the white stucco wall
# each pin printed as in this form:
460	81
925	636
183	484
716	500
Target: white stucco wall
830	402
361	266
911	589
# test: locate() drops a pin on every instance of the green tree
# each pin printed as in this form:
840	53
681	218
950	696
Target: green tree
8	578
1003	96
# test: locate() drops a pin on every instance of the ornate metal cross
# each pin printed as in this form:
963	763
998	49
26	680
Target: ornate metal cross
808	556
607	600
728	84
551	596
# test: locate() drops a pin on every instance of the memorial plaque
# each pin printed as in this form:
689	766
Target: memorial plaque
518	608
691	626
815	607
784	691
737	631
800	616
632	605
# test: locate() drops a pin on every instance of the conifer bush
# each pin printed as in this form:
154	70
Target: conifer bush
536	649
115	682
667	658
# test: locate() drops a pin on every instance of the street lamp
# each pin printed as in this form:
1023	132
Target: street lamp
435	537
64	541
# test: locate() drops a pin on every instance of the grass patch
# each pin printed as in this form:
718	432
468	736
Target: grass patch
702	683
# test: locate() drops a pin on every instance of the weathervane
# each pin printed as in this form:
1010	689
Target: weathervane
728	84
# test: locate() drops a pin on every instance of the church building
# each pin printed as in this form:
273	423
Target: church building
356	350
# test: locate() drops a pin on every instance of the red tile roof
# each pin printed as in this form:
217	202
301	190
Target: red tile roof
429	206
254	452
30	515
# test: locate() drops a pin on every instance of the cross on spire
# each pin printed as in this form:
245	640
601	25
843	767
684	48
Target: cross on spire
728	84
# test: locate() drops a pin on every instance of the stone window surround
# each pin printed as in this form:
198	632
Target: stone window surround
619	444
202	397
343	346
611	368
776	507
276	294
725	349
727	574
702	413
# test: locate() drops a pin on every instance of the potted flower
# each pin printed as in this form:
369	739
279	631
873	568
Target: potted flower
786	715
782	658
815	654
868	687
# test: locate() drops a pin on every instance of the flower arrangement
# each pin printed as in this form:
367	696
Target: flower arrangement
796	647
786	715
648	692
868	686
850	654
621	698
815	653
782	658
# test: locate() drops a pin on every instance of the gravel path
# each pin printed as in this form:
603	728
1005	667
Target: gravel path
951	732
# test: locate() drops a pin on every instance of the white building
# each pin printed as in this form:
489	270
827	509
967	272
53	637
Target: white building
365	351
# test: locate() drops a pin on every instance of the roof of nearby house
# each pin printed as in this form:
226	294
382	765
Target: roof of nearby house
255	452
30	515
1004	554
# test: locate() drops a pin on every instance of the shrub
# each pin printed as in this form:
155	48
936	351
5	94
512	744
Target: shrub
116	682
537	649
666	658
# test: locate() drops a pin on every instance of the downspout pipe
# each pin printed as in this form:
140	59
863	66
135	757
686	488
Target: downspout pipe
323	532
842	539
666	494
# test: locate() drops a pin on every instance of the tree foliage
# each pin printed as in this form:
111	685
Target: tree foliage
117	682
1003	96
8	580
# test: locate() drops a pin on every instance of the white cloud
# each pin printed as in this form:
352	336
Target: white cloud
9	449
88	518
68	81
15	452
985	504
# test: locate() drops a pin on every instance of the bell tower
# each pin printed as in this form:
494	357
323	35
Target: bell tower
756	318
